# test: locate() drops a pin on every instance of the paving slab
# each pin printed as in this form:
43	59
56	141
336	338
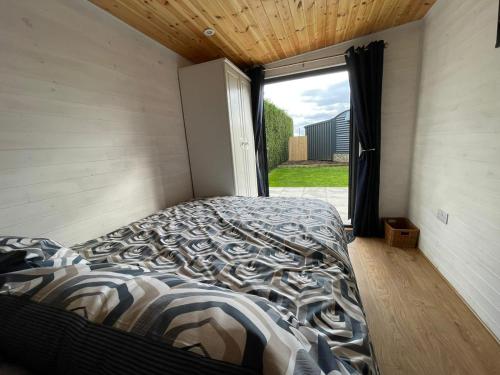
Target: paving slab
338	197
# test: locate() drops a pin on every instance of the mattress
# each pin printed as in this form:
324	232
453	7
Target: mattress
220	285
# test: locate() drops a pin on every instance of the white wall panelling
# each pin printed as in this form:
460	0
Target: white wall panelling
91	126
456	165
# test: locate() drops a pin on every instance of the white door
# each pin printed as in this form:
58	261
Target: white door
238	137
246	109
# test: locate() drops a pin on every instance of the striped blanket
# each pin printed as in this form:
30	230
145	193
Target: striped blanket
264	284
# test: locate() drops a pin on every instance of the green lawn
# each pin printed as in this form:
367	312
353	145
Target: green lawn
309	177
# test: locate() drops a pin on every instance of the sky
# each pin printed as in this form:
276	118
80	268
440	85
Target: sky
311	99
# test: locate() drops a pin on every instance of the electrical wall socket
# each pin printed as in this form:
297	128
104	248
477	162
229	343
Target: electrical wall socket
442	216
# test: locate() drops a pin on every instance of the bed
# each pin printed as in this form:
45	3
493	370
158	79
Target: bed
228	285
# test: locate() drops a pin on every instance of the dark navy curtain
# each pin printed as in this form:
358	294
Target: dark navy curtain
257	76
365	67
353	166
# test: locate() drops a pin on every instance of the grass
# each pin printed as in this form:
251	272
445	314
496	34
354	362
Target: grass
309	177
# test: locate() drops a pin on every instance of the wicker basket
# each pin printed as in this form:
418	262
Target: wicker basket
400	232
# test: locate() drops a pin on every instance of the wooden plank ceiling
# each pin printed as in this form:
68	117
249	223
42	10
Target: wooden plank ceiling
260	31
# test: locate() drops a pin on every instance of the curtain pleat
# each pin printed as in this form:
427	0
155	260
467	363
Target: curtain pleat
365	67
257	88
353	165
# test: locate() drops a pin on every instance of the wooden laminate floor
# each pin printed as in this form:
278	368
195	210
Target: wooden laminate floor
417	322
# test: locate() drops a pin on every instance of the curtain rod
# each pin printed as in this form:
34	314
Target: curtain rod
312	60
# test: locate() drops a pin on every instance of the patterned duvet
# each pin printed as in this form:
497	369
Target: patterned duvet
262	283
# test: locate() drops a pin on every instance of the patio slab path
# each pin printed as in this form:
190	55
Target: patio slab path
336	196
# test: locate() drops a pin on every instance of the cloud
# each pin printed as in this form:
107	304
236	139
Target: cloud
337	93
312	99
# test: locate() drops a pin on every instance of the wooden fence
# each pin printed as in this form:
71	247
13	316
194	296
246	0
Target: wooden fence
297	148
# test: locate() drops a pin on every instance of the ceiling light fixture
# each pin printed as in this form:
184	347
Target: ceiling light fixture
209	32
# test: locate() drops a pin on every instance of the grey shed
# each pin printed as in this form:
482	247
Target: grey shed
326	138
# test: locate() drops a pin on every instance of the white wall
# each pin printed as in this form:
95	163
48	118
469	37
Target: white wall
456	164
399	98
91	129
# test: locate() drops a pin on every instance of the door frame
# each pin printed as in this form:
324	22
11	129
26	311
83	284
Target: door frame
309	73
353	144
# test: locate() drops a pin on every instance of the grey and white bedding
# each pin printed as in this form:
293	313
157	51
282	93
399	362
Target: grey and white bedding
238	285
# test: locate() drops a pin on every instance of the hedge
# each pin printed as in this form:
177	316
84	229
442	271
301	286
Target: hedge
279	127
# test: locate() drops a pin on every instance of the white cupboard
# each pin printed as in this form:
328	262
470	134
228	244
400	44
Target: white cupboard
216	103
